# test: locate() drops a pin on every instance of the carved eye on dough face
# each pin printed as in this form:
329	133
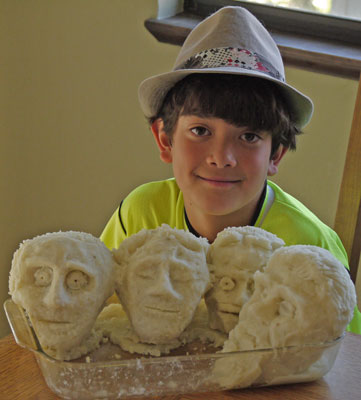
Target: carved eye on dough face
77	280
180	272
227	283
286	309
43	276
146	274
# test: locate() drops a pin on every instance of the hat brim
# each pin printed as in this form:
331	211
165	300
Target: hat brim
153	90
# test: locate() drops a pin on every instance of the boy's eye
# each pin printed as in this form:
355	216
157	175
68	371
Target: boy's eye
250	137
200	131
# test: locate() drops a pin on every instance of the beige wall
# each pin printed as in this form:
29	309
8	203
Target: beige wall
73	140
314	172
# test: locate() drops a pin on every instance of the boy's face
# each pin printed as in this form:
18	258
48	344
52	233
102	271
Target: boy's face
220	168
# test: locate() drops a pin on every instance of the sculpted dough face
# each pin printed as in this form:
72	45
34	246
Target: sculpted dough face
235	255
162	292
304	295
62	282
162	282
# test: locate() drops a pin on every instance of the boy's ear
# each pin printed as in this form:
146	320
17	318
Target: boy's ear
163	140
276	159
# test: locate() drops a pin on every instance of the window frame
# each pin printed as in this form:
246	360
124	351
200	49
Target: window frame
288	20
331	45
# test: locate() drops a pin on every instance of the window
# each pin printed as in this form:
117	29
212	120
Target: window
311	39
289	18
339	8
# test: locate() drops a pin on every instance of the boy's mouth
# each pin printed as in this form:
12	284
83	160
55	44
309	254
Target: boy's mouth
220	181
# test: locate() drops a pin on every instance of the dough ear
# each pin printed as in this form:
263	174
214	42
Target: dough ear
209	286
212	278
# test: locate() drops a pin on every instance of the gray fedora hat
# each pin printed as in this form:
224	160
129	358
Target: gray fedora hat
230	41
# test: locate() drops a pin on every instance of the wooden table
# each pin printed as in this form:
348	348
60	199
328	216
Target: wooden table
20	378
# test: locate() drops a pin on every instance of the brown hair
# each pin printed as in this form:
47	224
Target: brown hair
240	100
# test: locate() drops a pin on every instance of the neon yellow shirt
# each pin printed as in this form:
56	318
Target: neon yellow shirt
152	204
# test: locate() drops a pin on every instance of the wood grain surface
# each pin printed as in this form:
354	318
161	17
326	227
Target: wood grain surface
348	214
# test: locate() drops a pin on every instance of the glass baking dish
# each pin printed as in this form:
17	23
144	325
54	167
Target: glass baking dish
102	376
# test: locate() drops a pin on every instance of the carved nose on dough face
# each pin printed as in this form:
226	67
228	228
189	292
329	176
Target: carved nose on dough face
163	285
56	295
241	294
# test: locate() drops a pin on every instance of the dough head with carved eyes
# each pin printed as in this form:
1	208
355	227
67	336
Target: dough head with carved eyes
161	279
303	295
62	280
235	255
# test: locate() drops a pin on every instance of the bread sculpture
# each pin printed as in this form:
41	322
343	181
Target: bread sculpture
260	294
303	296
234	257
162	276
62	280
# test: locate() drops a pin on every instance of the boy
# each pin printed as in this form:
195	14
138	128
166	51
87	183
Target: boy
224	117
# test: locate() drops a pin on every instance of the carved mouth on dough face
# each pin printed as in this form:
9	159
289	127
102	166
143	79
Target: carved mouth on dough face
162	310
228	308
45	321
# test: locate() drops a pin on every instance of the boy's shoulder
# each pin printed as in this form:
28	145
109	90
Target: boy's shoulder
291	220
156	191
287	201
153	204
285	204
147	206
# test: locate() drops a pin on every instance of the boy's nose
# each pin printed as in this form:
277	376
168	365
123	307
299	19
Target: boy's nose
222	155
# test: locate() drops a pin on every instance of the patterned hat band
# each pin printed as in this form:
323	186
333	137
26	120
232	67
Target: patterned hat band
230	57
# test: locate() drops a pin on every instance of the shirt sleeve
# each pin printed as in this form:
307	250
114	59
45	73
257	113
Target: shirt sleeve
113	233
